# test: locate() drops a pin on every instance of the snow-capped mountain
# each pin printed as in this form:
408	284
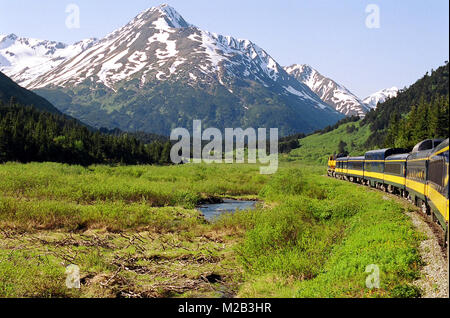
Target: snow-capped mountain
380	97
159	44
25	59
332	93
159	72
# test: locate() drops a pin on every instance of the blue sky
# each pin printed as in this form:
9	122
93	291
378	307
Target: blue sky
329	35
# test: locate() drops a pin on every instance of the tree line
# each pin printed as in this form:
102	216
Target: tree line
426	120
28	134
416	104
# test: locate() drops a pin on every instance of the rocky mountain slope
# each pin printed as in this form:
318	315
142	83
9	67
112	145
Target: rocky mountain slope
160	72
332	93
25	59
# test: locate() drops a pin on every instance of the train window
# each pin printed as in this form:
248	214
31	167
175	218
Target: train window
355	165
393	168
428	144
436	172
377	167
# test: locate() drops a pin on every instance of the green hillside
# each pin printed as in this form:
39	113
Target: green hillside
159	107
11	92
424	108
417	113
316	148
28	134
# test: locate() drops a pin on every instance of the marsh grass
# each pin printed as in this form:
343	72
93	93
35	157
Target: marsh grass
319	240
134	231
53	196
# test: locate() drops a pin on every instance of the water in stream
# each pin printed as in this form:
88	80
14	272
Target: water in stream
210	211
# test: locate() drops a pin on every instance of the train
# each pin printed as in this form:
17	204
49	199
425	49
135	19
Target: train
420	176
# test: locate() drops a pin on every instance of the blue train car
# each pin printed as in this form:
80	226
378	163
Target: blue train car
416	176
355	169
374	165
422	175
341	167
437	189
395	173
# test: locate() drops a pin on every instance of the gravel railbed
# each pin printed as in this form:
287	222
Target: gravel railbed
434	274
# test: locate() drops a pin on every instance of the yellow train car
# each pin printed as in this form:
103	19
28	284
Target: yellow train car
331	166
395	174
416	177
437	189
422	176
355	169
374	165
341	168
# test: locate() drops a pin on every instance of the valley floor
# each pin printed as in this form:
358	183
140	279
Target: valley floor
134	232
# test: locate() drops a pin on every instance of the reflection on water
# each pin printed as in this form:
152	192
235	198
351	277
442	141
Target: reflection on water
210	211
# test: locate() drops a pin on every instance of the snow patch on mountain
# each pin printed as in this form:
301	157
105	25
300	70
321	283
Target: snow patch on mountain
157	45
332	93
381	96
24	59
160	45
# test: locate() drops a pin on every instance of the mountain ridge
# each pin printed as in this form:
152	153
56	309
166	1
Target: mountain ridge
130	71
381	96
24	59
28	72
332	93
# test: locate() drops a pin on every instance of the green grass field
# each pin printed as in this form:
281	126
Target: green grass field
317	148
134	232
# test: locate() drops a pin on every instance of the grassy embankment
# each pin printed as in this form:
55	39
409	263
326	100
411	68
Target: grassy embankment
318	147
134	232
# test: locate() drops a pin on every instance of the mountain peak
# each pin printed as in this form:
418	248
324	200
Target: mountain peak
381	96
158	57
172	19
300	67
11	37
393	88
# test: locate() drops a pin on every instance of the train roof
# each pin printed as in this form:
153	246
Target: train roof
361	158
441	146
420	154
402	156
382	154
377	151
427	145
342	159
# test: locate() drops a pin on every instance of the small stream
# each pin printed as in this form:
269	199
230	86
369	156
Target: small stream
211	211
